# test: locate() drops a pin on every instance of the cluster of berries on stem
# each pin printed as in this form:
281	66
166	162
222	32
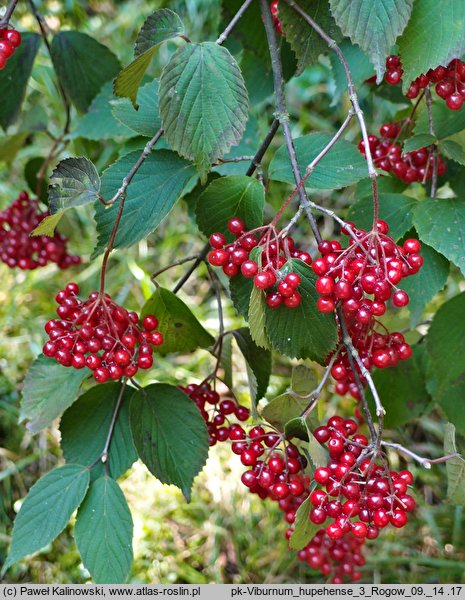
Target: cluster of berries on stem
409	167
10	39
19	249
449	81
281	285
274	7
99	334
216	411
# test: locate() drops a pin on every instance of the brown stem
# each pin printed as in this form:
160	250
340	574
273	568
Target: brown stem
281	110
9	11
121	194
234	21
434	175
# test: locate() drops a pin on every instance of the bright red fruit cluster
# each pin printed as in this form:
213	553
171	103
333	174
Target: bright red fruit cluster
372	265
282	287
10	39
449	81
275	14
416	165
19	249
101	335
357	493
215	411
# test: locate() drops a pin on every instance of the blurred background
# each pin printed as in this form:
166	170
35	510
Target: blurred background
225	535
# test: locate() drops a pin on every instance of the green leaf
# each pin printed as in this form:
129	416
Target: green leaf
258	78
373	25
99	122
247	146
303	380
47	509
144	121
396	209
127	84
444	344
428	42
341	167
240	290
249	31
297	428
302	332
103	532
85	425
283	409
441	224
446	122
227	197
258	359
424	285
453	150
14	77
421	140
153	192
160	26
203	103
49	388
402	390
83	65
304	529
48	225
181	331
305	41
257	308
226	361
455	468
74	182
359	65
170	435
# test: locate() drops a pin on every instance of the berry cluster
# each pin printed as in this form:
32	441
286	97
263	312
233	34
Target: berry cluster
449	81
101	335
337	559
217	416
275	14
282	287
357	493
372	265
416	165
18	249
10	39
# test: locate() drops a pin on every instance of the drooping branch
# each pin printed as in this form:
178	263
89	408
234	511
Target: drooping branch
234	21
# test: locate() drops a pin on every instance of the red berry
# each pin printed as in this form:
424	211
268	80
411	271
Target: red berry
13	37
400	298
217	240
249	268
236	226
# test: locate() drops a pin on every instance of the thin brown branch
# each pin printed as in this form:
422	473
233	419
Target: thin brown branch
434	175
9	11
234	21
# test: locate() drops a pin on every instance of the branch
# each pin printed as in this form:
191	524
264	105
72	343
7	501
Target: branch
434	175
424	462
234	21
353	99
121	194
9	11
281	111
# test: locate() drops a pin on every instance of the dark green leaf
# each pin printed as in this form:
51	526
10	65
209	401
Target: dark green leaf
99	123
440	223
303	380
240	289
127	84
453	150
146	120
103	532
283	409
359	65
74	182
341	167
14	77
302	332
396	209
83	65
227	197
257	76
152	194
446	121
373	25
455	468
258	359
249	31
247	146
226	361
428	42
31	171
181	331
49	388
424	285
421	140
160	26
444	344
203	103
170	434
305	41
47	509
304	529
85	425
402	390
256	315
296	428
